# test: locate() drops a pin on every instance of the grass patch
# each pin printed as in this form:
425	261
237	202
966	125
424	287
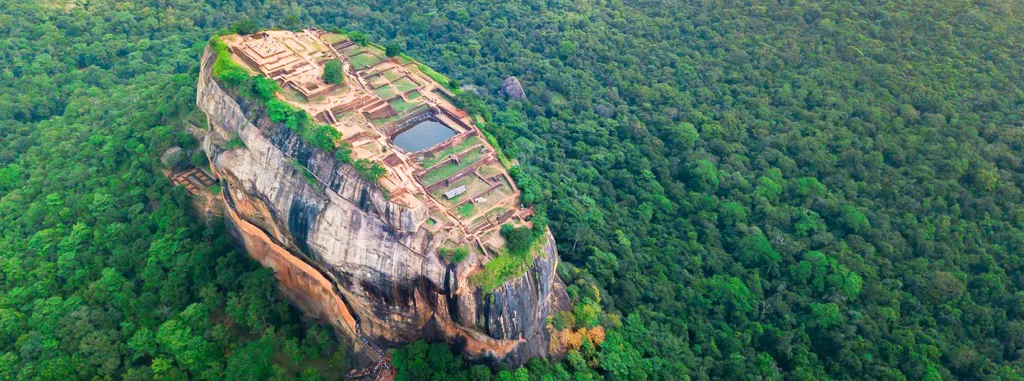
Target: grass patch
414	95
466	209
499	270
363	60
453	255
468	181
405	85
375	49
379	80
401	106
443	154
334	38
383	121
385	92
450	169
438	77
520	245
404	59
310	179
392	74
235	142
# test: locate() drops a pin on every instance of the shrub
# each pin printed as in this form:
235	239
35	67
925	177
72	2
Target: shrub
199	159
298	121
264	88
371	171
310	178
324	137
224	68
235	142
344	153
498	271
278	111
518	240
455	255
233	77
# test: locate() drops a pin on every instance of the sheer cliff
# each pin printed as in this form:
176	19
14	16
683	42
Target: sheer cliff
342	252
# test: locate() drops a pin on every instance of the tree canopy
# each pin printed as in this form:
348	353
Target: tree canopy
334	72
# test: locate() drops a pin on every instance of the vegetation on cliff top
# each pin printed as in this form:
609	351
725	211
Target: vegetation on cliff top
521	245
264	90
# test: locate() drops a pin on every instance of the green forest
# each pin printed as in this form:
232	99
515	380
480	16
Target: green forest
783	190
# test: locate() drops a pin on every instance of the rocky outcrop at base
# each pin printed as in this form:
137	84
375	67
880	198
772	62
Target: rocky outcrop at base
343	252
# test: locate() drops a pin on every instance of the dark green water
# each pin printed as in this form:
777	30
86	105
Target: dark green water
423	135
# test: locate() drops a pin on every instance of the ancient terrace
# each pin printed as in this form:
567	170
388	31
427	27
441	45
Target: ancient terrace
391	112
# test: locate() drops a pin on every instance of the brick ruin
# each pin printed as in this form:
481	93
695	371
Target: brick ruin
380	99
193	179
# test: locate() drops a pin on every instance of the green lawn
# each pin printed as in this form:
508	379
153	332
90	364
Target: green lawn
466	209
414	95
392	74
375	49
401	106
443	154
405	85
450	169
385	92
363	60
334	38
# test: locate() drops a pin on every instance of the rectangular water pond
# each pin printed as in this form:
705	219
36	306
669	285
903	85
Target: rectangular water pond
423	135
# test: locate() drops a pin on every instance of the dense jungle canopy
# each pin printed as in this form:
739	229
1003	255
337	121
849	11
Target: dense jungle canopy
761	191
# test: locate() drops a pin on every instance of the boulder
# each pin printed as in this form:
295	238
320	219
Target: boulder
173	158
513	89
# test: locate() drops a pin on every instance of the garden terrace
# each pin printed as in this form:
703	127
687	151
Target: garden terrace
379	99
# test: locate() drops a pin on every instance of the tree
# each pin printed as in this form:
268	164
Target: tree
245	26
392	49
334	72
518	240
325	137
359	38
371	170
265	88
754	250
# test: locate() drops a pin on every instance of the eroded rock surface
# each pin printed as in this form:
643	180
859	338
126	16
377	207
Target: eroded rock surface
342	252
513	89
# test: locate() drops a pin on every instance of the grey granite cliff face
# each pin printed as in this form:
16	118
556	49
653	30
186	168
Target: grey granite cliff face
341	236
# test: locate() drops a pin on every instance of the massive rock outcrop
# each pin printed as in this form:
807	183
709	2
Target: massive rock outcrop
343	252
